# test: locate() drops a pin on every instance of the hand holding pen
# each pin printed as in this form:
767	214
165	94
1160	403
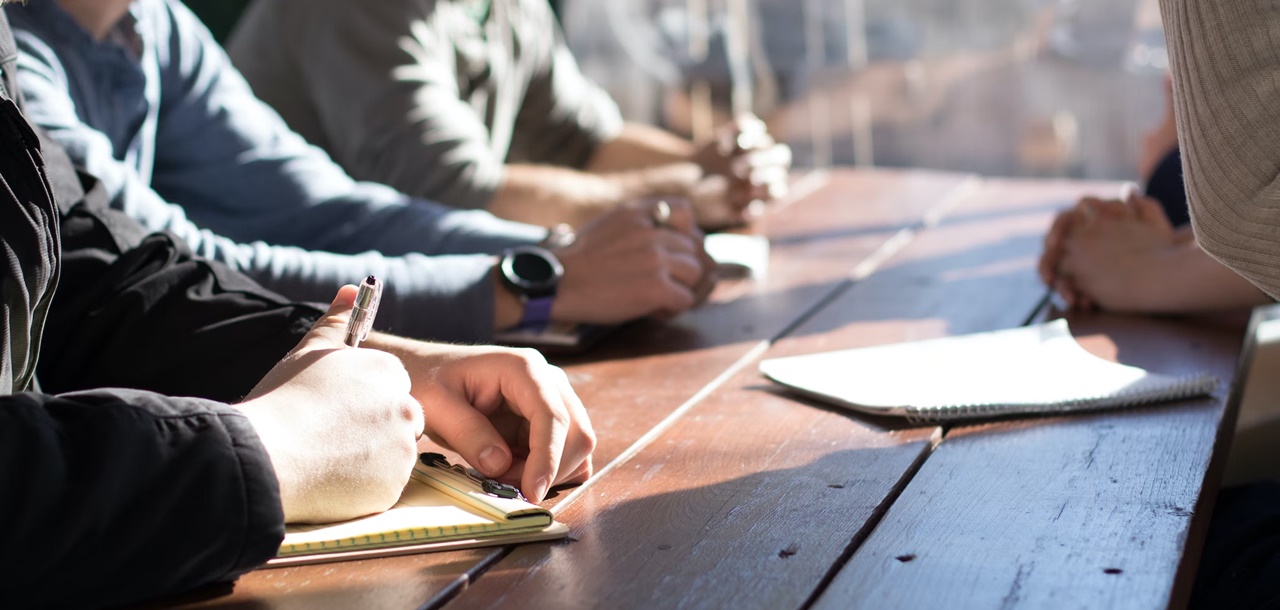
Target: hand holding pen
340	425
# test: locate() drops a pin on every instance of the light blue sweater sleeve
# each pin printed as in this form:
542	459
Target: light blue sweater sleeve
256	196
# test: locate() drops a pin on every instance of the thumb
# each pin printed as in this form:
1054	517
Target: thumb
329	332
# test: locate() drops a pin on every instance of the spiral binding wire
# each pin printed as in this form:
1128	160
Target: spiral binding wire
1154	391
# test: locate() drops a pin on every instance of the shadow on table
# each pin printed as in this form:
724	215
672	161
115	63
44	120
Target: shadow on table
991	277
986	287
306	587
794	239
877	423
766	539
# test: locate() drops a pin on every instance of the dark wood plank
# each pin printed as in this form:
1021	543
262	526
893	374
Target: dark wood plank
643	374
752	497
402	582
1072	512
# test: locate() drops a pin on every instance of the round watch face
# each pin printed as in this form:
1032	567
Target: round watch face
533	271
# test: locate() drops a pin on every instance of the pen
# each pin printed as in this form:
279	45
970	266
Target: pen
363	312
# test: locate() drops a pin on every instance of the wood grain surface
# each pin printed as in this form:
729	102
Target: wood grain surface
640	376
753	497
399	582
1086	511
717	490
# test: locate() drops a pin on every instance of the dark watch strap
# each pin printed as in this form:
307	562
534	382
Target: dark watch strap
537	312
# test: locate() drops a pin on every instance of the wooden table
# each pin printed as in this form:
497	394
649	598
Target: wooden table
714	490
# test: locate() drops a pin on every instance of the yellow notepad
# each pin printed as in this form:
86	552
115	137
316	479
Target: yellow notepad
440	508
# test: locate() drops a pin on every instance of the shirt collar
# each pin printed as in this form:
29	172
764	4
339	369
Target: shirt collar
125	35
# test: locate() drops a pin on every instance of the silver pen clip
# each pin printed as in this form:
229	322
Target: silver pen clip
364	311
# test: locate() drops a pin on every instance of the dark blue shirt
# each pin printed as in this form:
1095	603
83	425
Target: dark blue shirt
157	112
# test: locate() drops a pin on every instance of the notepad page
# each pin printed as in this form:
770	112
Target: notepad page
739	255
1031	369
423	513
463	490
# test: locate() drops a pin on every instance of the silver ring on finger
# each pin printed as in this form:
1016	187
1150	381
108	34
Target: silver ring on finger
662	214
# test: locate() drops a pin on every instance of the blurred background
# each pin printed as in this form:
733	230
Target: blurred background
1002	87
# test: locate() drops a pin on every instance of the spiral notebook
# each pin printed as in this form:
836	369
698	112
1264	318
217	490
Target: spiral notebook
443	507
1030	370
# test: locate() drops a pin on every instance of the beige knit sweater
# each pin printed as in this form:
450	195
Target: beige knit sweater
1225	56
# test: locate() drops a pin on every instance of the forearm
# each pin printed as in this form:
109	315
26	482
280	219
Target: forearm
1223	57
546	196
1187	280
640	146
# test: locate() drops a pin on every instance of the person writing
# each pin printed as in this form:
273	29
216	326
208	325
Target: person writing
162	416
181	144
480	104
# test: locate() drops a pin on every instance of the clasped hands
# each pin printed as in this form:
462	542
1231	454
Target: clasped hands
1107	253
741	165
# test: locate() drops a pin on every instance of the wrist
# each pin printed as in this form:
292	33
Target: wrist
274	441
532	274
507	306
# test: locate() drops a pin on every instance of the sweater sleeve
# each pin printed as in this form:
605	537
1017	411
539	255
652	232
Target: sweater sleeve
565	116
314	229
1224	55
381	83
117	496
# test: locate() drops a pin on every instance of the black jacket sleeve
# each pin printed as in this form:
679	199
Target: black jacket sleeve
138	310
116	496
110	497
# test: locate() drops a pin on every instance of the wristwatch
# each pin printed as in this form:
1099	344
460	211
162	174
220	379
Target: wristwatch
533	274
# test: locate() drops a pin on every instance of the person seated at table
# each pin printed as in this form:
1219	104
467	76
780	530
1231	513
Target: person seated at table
1224	61
141	96
1124	255
480	104
183	413
1138	254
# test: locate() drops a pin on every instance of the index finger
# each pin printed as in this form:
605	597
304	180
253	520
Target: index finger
542	405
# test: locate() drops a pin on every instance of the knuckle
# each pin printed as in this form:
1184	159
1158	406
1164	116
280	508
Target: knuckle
558	374
531	356
587	438
560	417
409	411
523	359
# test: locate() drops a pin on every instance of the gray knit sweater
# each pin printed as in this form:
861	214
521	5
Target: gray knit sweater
1225	56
